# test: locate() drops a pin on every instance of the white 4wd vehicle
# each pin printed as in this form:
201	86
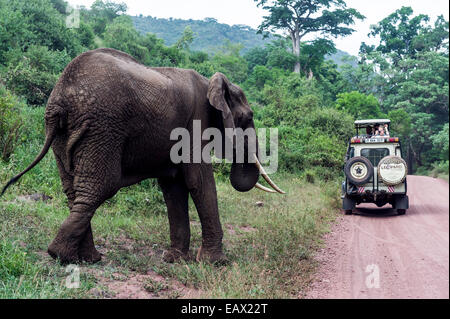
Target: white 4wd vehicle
374	169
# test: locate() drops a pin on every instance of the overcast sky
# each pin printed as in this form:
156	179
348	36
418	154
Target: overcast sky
245	12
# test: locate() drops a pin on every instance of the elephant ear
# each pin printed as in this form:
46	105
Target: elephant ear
217	91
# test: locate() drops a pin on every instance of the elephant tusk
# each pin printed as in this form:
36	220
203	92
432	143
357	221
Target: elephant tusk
263	188
266	177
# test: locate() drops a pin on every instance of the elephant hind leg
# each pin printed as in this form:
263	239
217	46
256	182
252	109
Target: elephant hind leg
66	181
96	178
87	251
75	236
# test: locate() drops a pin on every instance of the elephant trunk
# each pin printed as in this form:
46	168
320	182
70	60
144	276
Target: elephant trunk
244	176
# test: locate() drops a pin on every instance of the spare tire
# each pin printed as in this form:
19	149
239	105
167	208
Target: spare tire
359	170
392	170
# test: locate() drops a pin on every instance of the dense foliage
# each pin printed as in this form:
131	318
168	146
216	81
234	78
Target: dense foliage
408	71
404	77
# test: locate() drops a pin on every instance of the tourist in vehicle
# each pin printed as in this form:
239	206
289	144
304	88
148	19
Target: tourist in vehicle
386	130
377	130
374	131
381	131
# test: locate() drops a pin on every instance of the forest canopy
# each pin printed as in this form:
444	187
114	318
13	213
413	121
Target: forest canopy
403	77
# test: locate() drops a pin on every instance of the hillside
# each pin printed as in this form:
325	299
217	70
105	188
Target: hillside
209	34
341	57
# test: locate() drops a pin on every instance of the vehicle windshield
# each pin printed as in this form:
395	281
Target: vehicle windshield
374	155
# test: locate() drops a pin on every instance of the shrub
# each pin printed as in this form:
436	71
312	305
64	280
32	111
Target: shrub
309	175
10	124
221	169
332	123
440	169
441	142
32	74
310	135
359	105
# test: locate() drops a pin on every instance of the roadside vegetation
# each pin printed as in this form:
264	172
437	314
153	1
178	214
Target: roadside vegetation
269	239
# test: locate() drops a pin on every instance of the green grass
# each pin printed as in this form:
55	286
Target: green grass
270	247
437	170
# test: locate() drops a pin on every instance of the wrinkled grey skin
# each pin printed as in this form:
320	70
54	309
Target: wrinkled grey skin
108	121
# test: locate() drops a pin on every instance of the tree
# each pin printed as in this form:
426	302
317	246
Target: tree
300	17
104	12
410	68
256	56
186	39
404	36
121	35
313	54
33	74
358	105
440	142
231	63
279	56
59	5
35	22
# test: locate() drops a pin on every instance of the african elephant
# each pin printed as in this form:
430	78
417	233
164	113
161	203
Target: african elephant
108	121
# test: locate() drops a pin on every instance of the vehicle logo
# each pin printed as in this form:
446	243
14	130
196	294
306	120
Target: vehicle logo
392	170
358	170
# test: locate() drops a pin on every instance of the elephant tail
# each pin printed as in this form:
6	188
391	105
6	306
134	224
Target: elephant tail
54	121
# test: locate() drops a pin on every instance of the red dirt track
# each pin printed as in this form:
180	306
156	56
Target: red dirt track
410	253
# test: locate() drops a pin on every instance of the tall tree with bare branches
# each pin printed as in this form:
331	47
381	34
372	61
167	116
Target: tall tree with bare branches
301	17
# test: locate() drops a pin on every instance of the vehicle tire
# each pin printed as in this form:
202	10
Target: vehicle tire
392	170
348	212
401	211
359	170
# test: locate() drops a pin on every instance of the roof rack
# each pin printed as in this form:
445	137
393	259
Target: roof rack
366	123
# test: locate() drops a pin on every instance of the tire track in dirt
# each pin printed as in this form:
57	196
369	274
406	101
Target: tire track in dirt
410	252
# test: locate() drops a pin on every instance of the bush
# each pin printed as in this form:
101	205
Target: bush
32	74
10	124
332	123
309	175
441	142
310	135
440	169
221	169
359	105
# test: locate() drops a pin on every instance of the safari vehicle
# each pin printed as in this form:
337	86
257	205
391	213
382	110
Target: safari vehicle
374	169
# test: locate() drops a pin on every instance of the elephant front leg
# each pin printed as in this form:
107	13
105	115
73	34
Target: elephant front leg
176	197
202	187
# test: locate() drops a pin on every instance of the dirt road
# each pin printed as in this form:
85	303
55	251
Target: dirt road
377	254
